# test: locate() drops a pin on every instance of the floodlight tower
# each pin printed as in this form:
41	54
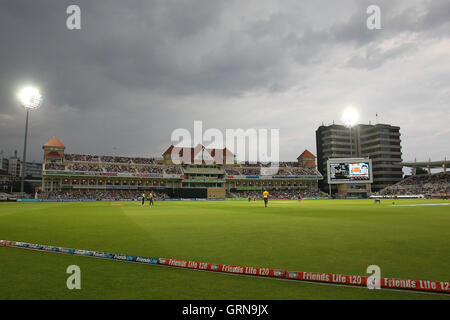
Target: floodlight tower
30	98
350	118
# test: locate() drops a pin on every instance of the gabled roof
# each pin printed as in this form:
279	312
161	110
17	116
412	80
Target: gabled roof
54	142
169	150
193	154
306	155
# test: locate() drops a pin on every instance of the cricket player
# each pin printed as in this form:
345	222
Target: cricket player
266	197
150	198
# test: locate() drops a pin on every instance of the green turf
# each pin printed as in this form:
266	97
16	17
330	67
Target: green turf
333	236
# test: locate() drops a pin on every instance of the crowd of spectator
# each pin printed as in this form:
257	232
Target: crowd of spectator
154	169
81	157
247	164
282	171
109	159
137	195
144	160
278	194
129	160
232	172
84	167
427	184
108	168
250	171
173	170
304	172
120	168
121	164
101	195
118	164
279	172
148	169
282	164
54	166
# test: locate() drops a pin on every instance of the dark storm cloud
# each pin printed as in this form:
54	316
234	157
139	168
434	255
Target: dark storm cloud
139	69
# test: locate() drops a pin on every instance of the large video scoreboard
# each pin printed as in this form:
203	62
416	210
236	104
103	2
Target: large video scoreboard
349	170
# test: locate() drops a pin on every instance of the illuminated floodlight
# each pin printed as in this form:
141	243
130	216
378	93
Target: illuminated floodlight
350	117
30	98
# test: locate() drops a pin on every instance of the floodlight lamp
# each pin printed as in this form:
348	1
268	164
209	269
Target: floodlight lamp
30	98
350	117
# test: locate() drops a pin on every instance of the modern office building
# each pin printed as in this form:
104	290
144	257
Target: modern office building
33	170
12	166
4	162
380	142
5	181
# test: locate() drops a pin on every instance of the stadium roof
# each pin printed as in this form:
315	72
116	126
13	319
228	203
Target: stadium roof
306	155
54	142
426	164
190	154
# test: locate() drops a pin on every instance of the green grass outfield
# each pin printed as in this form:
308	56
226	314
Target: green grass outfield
333	236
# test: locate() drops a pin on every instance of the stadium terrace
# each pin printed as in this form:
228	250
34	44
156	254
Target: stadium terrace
429	185
67	175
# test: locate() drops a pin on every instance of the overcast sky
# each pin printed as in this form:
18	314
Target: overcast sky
137	70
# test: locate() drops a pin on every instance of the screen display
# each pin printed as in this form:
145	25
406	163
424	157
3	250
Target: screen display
349	172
